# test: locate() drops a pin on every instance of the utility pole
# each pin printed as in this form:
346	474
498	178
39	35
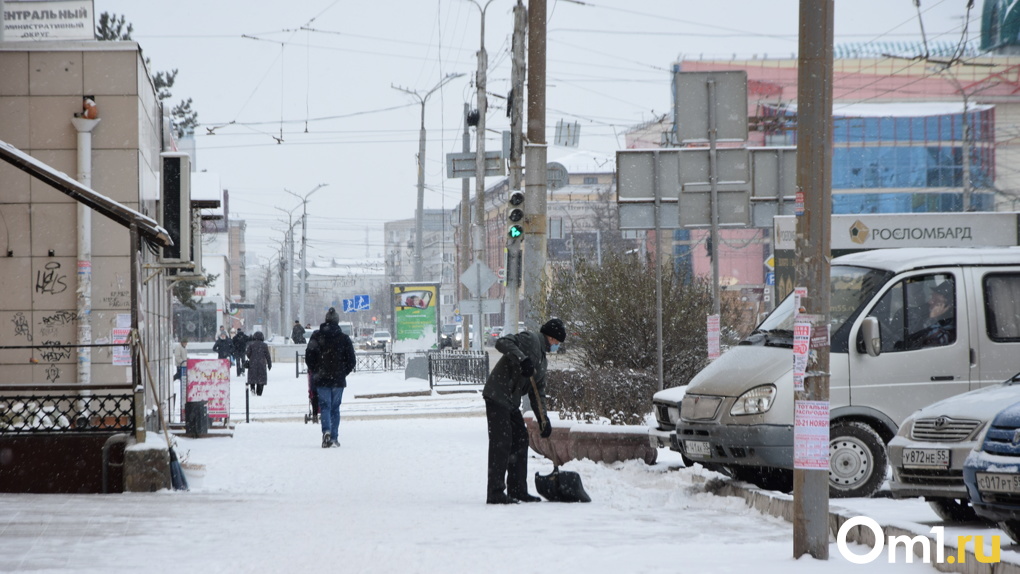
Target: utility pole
814	191
288	276
535	175
479	231
513	246
419	214
465	225
304	252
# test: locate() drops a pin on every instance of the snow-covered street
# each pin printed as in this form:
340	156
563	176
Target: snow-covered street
404	493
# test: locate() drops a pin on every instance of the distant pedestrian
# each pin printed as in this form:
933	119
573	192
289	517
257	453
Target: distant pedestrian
181	360
523	361
240	344
223	347
330	358
297	333
259	362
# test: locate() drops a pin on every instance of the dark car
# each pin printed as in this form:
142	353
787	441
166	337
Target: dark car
992	472
446	335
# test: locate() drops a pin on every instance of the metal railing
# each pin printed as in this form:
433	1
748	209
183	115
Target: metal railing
458	367
28	409
365	362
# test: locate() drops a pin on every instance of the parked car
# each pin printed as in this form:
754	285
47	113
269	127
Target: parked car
381	340
992	472
493	334
666	407
737	413
928	452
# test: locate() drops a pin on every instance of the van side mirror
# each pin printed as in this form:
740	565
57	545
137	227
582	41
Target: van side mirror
872	336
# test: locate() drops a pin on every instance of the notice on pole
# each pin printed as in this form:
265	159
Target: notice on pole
801	350
121	355
209	380
811	435
713	337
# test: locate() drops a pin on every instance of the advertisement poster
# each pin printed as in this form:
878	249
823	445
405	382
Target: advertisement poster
415	316
713	337
209	380
811	435
801	349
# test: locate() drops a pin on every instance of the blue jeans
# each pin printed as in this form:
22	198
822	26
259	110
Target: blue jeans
329	409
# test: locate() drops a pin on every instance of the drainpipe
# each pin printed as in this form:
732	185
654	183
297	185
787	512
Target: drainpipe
84	291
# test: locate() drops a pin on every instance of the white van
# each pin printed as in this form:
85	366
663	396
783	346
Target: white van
886	361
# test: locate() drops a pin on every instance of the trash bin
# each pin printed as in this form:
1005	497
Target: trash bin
196	418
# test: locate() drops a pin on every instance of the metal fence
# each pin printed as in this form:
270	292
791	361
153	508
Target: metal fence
365	362
458	367
28	409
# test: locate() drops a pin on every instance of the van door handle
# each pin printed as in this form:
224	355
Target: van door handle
943	378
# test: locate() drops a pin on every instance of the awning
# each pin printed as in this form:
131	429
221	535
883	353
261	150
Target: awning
147	227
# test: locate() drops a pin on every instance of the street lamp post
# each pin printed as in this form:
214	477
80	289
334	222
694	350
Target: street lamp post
419	215
479	228
304	252
288	277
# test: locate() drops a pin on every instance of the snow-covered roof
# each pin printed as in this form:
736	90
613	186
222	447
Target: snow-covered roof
901	109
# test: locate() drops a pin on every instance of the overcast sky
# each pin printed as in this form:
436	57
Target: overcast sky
319	75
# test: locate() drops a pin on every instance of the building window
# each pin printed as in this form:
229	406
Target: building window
590	180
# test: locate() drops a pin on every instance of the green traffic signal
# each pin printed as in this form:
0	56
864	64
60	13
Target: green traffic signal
515	231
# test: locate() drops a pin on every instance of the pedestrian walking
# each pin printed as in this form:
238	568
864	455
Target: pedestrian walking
522	363
330	358
297	333
240	345
259	362
223	347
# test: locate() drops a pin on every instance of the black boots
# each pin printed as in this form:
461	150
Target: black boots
499	498
525	497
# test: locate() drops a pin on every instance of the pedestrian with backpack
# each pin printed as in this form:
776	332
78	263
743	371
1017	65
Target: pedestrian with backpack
330	358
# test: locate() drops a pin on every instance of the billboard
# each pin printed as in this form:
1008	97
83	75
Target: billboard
415	316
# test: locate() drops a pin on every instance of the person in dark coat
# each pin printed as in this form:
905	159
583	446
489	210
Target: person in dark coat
259	362
240	345
523	360
330	358
297	333
223	347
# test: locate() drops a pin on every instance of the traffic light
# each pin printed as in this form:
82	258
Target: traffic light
515	214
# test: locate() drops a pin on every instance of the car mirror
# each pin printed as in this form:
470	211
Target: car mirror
872	336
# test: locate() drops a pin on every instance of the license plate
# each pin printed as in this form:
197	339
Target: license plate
697	448
989	482
926	457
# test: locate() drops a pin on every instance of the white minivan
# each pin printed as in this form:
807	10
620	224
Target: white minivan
908	327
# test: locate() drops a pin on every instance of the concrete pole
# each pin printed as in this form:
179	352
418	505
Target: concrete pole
513	259
304	251
479	231
465	226
814	184
535	181
84	290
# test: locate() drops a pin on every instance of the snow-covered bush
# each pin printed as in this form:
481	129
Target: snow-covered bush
613	395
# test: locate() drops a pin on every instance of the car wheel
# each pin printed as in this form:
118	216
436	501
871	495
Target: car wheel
1011	528
953	509
857	460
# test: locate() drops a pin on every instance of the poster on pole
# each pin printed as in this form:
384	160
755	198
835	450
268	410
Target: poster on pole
415	316
209	380
713	337
801	349
811	435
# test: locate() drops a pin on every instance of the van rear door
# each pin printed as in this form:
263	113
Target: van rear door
925	348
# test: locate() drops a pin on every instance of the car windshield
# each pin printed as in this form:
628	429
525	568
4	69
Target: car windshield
382	334
448	329
851	287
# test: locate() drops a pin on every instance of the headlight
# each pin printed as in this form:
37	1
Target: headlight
979	440
755	401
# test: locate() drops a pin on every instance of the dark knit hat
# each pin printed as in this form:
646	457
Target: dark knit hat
555	329
332	316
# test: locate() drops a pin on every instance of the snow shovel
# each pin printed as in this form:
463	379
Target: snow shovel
558	485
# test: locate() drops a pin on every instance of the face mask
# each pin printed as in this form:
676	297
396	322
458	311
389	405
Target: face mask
554	348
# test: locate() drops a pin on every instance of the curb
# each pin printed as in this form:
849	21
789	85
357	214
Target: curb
781	506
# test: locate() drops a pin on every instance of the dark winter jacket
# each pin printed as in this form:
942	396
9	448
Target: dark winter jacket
259	361
223	347
240	344
330	356
505	386
297	334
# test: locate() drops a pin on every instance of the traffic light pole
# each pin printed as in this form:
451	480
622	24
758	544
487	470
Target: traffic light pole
513	245
536	154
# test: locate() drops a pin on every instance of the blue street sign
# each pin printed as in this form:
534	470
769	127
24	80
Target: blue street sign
362	303
349	306
770	278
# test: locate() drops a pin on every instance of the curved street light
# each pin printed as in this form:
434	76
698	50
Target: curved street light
304	258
